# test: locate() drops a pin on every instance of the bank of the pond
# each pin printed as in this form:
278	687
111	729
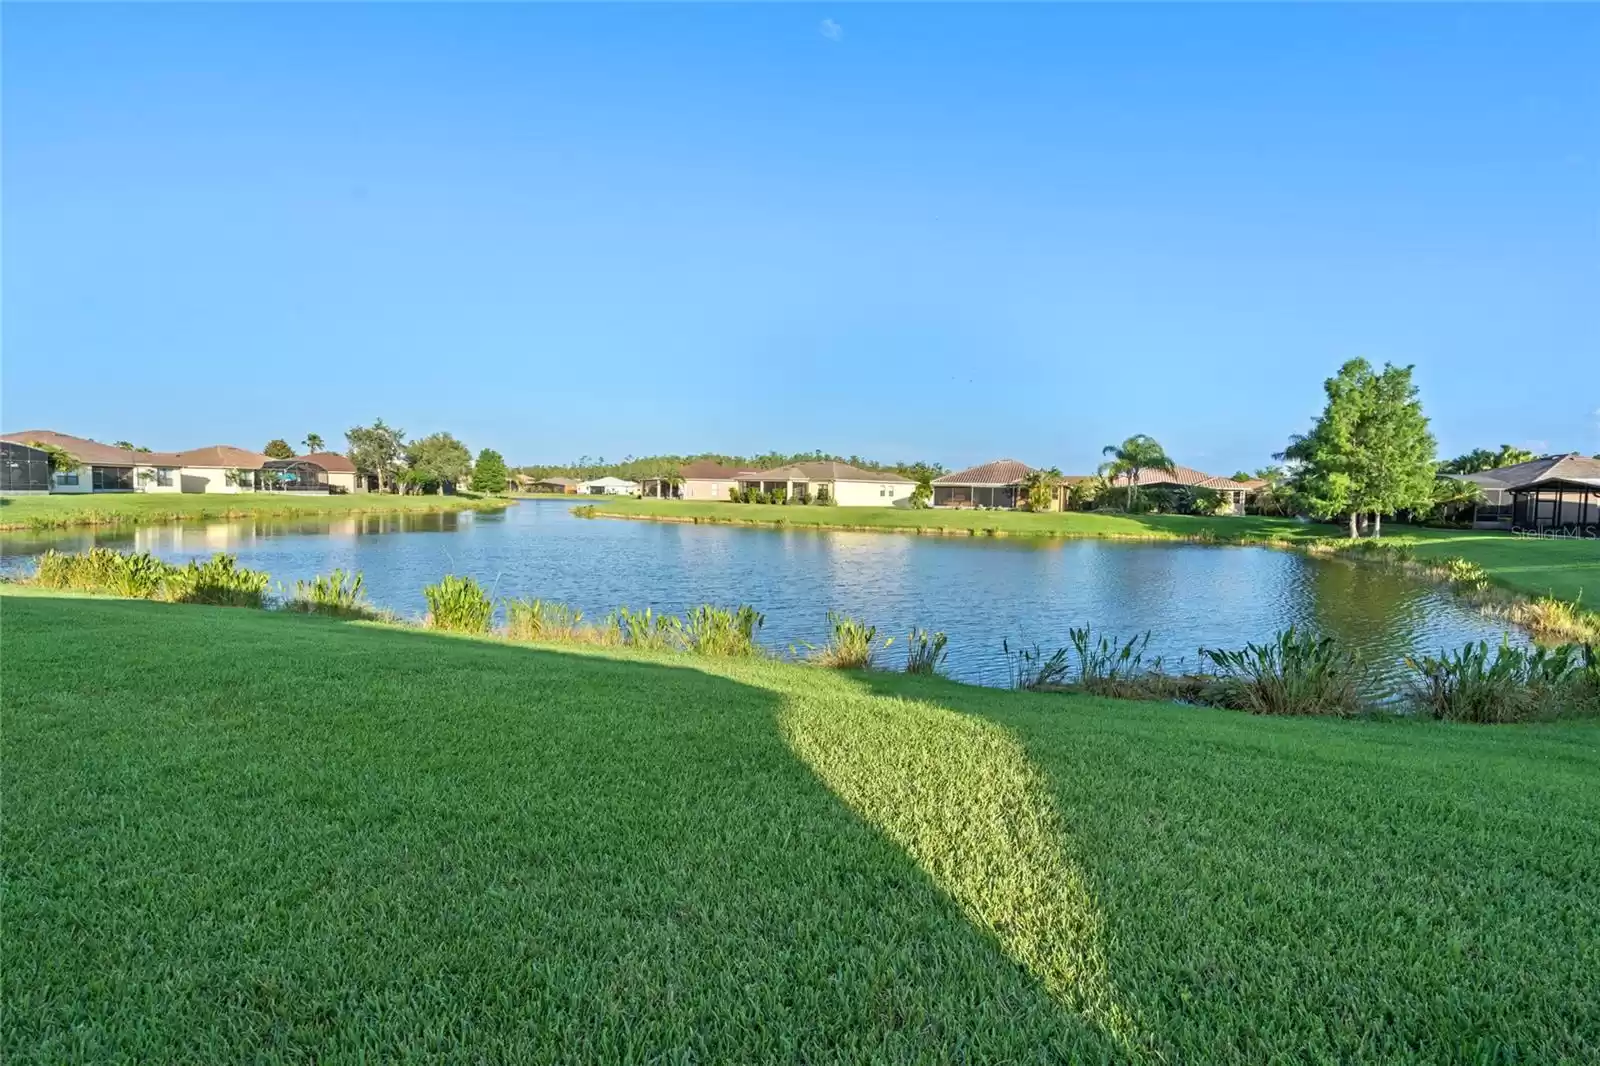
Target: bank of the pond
1528	567
481	850
64	511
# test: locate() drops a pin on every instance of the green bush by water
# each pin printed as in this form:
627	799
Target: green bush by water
1511	685
458	604
719	631
925	651
339	594
1296	673
852	644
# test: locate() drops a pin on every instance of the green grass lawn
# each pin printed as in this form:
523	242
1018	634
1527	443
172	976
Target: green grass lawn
1566	569
46	512
237	835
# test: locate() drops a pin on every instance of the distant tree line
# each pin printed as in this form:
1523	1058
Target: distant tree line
635	468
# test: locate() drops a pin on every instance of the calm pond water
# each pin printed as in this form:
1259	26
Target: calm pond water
979	591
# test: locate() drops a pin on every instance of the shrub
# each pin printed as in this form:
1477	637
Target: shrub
219	581
458	604
1296	673
851	646
137	575
712	630
1108	668
1515	685
542	620
824	497
1465	574
140	576
55	570
646	629
778	495
925	652
339	594
1031	669
734	495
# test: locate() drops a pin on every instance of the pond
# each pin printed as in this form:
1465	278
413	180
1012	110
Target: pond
980	591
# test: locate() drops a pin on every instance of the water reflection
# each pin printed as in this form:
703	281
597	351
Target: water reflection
980	591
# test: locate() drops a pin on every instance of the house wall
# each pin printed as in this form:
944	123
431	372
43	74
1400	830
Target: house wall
870	493
707	489
141	485
342	479
206	479
84	478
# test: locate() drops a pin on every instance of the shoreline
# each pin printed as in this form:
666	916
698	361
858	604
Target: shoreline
1541	615
154	513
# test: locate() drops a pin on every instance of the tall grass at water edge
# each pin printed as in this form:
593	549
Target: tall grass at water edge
1296	673
1510	685
139	575
339	594
925	651
458	605
852	644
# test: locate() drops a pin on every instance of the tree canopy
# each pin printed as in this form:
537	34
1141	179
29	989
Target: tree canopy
314	442
635	468
376	450
1138	453
439	459
1370	452
1480	459
278	448
489	473
1039	488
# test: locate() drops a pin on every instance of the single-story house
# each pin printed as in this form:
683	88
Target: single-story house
1554	493
994	485
1235	493
219	468
846	485
103	468
564	486
699	480
609	486
316	472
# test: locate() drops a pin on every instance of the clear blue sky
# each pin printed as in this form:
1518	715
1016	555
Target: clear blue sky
950	233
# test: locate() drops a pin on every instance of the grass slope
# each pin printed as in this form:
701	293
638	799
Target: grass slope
281	838
47	512
1565	569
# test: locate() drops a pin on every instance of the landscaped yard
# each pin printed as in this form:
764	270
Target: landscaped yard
1566	569
88	509
239	835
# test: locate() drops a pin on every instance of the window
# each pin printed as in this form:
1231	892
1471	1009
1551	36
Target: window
66	477
164	476
112	479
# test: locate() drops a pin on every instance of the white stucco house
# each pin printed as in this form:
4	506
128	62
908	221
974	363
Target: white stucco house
846	485
609	486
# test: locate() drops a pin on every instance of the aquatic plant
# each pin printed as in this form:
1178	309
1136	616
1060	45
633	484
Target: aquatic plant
718	631
1295	673
1512	685
340	594
648	630
219	581
1031	669
925	651
852	644
458	604
1108	667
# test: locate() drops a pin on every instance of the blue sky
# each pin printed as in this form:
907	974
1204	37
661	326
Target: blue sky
940	232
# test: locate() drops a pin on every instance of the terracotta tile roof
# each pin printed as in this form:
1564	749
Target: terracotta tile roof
999	472
92	451
1249	485
225	456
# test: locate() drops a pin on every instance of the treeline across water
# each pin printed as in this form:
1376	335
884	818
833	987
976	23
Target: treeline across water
1295	673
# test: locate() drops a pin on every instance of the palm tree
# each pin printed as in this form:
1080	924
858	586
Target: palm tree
313	442
1038	486
1131	458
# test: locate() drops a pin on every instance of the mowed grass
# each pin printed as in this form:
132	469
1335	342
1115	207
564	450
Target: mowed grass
1565	569
238	835
89	509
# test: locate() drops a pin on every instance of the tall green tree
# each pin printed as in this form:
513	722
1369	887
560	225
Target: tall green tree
278	448
314	442
1370	452
128	446
59	459
489	474
1480	459
440	460
376	450
1131	458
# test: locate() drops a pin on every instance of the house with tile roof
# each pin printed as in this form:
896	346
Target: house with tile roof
996	484
1553	493
1235	493
846	485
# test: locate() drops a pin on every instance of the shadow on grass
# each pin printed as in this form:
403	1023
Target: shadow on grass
337	838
